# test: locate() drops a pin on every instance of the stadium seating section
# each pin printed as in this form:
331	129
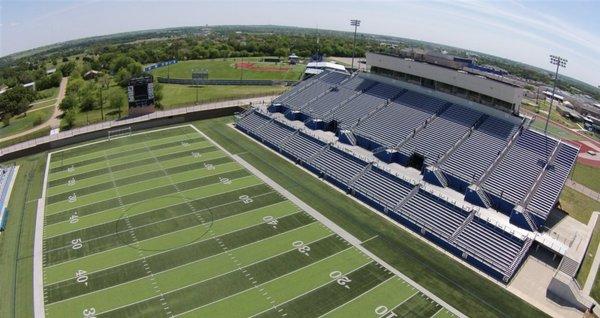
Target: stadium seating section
511	164
6	176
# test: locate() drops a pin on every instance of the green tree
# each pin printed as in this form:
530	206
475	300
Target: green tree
158	95
69	118
122	77
117	99
68	103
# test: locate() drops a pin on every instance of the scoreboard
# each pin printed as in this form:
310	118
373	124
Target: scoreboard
140	91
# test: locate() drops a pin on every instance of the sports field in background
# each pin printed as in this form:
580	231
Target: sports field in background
164	224
232	68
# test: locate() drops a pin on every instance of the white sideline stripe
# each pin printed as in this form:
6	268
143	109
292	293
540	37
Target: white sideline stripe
309	291
161	208
205	258
163	220
237	269
62	166
357	297
39	311
333	226
143	201
149	165
129	185
84	205
197	261
159	236
268	281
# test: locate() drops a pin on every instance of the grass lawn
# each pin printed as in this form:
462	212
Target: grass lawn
21	123
584	270
554	130
595	292
39	133
578	205
182	95
42	104
225	69
48	93
16	243
456	284
587	176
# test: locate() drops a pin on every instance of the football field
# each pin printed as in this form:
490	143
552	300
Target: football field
166	224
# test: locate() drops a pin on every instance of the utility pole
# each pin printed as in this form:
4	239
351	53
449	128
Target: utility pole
559	62
355	23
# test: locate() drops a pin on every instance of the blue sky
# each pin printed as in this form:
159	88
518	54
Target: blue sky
523	31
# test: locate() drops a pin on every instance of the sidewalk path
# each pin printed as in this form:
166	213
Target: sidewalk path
54	120
589	282
583	189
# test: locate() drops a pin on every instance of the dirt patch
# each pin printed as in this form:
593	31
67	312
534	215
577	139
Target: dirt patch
261	68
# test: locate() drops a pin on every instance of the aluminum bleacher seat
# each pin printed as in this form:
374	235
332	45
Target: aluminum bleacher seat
382	187
515	174
442	133
484	143
438	216
339	165
298	101
394	123
302	146
490	244
332	77
328	102
358	83
547	192
252	122
275	132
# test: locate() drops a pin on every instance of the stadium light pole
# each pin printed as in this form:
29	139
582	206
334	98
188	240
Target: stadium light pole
355	23
559	62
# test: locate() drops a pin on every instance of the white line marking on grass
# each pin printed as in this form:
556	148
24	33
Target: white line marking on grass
158	236
144	201
167	219
133	176
135	241
136	192
357	297
200	217
309	291
266	282
232	271
333	226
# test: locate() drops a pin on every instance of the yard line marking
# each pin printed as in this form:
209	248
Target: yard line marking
142	172
136	242
370	238
158	236
264	283
144	201
131	157
136	192
357	297
79	178
249	177
227	233
235	270
310	291
134	160
170	219
117	147
201	218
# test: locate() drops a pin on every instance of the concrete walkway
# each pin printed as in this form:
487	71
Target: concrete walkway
54	120
583	189
589	282
334	227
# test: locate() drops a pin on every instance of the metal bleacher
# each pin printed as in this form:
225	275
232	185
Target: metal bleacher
497	252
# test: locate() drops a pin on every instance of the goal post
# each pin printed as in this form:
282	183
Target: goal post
121	132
